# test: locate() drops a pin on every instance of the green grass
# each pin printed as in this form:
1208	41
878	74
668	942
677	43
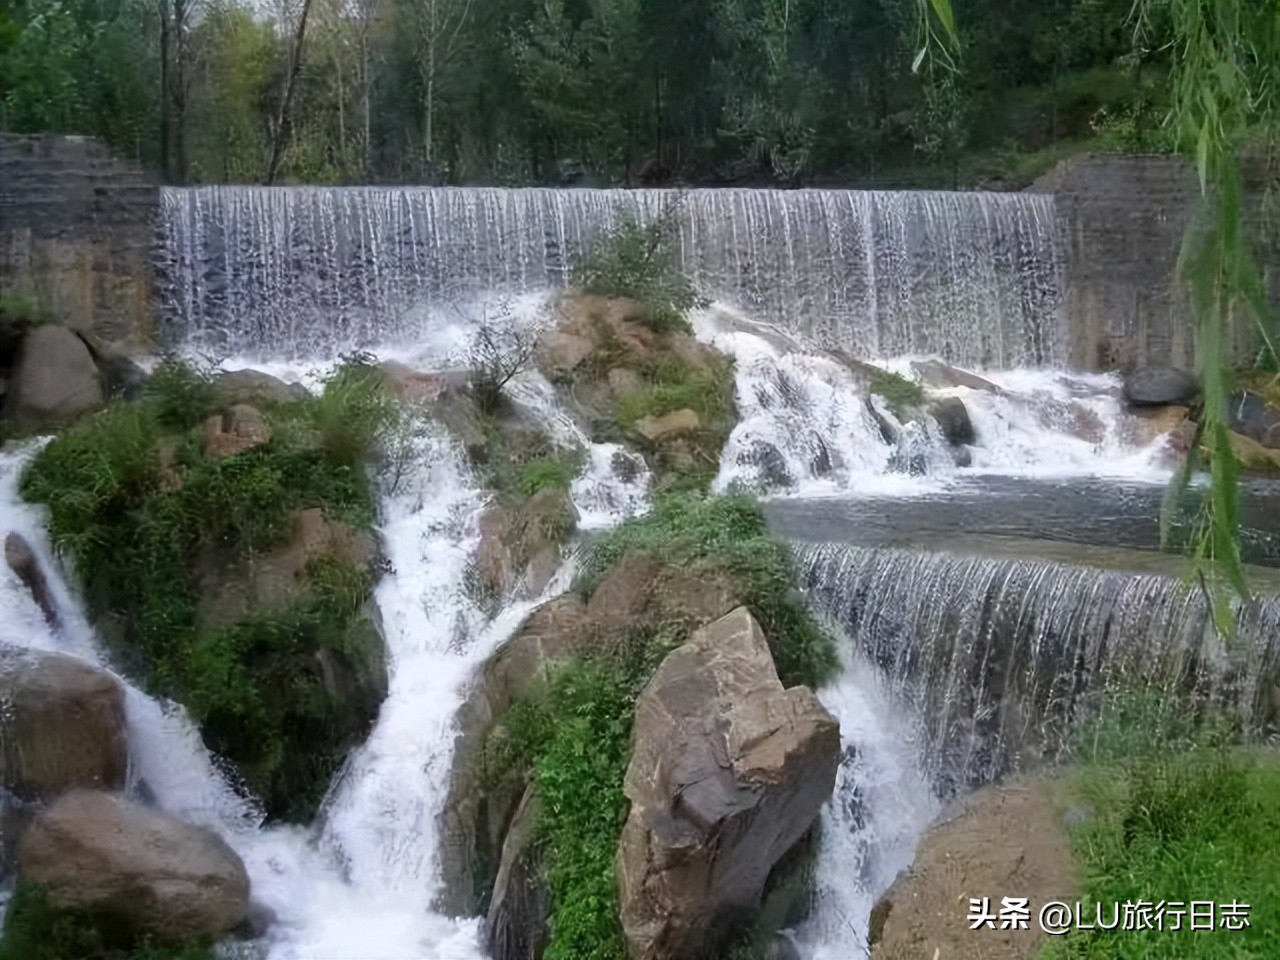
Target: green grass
549	472
901	394
1178	814
707	392
35	930
731	532
132	535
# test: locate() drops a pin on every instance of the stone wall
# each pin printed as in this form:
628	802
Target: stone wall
1123	220
76	234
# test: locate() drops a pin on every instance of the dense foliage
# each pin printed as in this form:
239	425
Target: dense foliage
1178	814
36	930
631	91
134	500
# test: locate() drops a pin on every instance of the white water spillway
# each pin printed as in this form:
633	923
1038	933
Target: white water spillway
973	277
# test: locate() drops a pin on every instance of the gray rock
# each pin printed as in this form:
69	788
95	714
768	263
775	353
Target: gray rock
1158	386
122	377
255	387
770	465
144	870
953	418
942	376
55	379
516	927
64	725
1250	415
728	771
23	561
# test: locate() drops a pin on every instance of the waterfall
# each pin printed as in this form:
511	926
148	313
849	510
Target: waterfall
310	271
1003	658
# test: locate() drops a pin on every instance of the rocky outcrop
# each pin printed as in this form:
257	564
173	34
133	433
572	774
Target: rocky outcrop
135	867
658	429
235	430
1003	841
1158	386
1249	415
55	379
63	725
229	588
943	376
520	543
953	419
728	771
481	804
23	561
516	926
255	388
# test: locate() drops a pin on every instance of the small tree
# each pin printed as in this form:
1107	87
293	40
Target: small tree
498	351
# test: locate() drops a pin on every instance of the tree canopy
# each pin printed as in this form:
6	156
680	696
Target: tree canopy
598	91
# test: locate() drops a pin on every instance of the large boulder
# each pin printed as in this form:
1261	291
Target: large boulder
728	771
55	379
238	428
64	725
1157	386
520	543
660	428
255	388
1002	841
134	866
1249	415
953	419
942	376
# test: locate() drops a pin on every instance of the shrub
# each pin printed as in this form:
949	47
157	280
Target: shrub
638	263
180	395
496	355
901	394
36	930
353	412
133	500
553	472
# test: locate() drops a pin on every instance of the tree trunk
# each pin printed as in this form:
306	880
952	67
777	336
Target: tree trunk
282	116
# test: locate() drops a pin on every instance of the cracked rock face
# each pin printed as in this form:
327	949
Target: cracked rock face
728	771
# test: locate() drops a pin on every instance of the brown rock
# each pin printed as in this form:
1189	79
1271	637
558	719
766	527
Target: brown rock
728	771
623	381
55	379
144	869
1145	425
1253	456
64	725
228	589
23	561
1007	841
561	353
670	424
255	388
240	428
516	927
416	386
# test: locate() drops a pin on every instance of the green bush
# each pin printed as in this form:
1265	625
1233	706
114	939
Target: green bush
707	392
902	395
133	500
638	263
730	532
36	930
180	395
555	472
1178	814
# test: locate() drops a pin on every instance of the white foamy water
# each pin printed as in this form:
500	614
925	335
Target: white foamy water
808	426
881	806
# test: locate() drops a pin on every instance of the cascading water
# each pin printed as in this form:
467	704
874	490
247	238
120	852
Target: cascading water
1003	657
974	277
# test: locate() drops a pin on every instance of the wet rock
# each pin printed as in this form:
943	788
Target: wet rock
1251	416
122	377
255	388
520	543
238	429
141	869
770	464
416	386
728	771
55	380
943	376
1146	424
1253	457
561	353
1156	386
890	430
516	925
657	429
63	725
23	561
953	419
